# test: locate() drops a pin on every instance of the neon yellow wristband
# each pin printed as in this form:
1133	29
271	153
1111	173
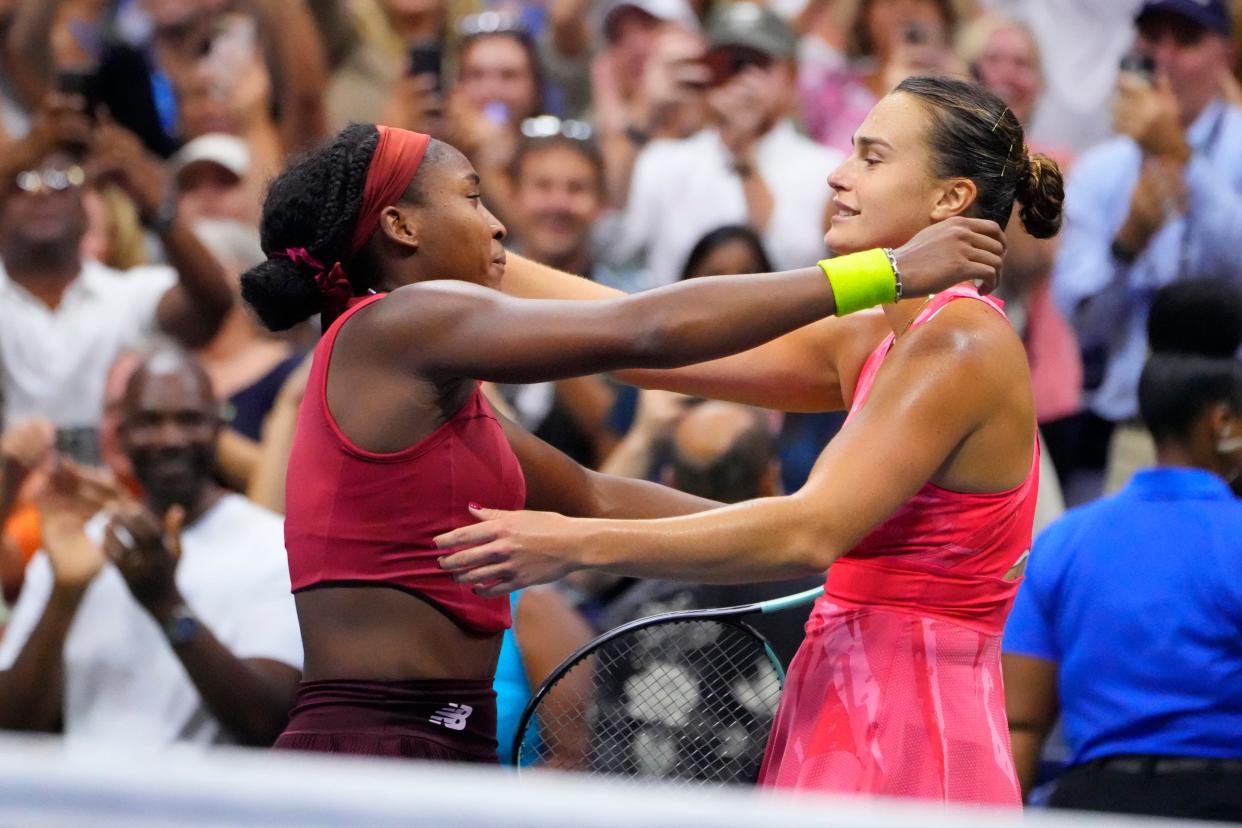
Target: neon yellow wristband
861	280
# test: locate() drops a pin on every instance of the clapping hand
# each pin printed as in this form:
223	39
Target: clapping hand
26	447
73	495
416	104
145	549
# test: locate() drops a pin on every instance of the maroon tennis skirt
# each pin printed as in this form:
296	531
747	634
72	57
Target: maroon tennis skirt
442	719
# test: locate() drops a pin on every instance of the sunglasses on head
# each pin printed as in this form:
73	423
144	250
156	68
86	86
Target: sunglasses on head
50	179
728	62
547	126
490	22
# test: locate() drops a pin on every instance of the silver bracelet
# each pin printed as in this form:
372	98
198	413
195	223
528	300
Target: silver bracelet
892	262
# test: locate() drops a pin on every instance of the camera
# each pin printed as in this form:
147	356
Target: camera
425	59
1141	65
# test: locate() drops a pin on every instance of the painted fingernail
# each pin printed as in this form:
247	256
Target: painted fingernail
474	505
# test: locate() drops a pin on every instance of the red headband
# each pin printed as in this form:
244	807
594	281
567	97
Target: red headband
396	160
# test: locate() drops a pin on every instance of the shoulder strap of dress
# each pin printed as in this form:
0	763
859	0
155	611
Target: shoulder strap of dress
356	304
942	299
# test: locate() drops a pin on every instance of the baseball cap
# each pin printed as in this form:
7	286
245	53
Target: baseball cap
1212	15
221	149
672	11
753	27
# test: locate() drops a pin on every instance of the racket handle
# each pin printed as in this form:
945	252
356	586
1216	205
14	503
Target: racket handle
795	600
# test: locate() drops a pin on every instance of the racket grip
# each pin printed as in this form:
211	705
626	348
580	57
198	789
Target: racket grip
795	600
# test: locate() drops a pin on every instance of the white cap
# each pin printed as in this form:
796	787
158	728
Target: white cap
217	148
673	11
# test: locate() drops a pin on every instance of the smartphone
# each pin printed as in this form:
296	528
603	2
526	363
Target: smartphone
426	59
83	84
1140	64
80	445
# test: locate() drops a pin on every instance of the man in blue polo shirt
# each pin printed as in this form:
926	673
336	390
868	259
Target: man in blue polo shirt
1159	203
1130	617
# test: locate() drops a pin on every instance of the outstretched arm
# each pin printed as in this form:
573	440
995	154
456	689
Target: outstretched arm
451	329
799	370
556	483
934	393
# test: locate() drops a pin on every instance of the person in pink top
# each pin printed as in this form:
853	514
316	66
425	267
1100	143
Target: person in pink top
920	509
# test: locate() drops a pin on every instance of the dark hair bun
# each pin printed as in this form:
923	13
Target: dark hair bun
1040	194
312	204
281	292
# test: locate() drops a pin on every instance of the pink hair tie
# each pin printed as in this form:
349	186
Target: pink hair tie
332	282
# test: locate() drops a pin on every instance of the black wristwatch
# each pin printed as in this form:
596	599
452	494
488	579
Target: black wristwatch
638	136
1121	253
161	221
743	169
181	625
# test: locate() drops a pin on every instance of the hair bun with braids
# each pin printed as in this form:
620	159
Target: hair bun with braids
1041	191
312	204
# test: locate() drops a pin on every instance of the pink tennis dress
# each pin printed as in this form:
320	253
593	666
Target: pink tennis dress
896	690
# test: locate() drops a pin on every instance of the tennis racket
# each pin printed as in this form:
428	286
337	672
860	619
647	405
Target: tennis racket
684	696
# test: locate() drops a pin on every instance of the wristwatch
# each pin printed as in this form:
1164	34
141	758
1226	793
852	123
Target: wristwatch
637	135
181	625
160	221
1122	253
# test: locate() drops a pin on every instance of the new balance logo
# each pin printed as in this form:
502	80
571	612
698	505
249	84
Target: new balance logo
453	717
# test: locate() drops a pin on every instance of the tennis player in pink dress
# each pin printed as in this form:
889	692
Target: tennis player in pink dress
897	686
920	509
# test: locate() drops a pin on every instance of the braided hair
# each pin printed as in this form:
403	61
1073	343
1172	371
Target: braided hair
313	203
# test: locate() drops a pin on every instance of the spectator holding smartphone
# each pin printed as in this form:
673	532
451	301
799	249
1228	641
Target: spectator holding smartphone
499	85
64	317
144	70
749	166
373	75
161	621
1160	203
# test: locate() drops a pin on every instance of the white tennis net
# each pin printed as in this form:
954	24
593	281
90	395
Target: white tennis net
44	783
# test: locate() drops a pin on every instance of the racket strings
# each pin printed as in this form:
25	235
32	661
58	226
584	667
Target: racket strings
686	700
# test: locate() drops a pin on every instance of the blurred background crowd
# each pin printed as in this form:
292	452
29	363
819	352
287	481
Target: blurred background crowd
636	143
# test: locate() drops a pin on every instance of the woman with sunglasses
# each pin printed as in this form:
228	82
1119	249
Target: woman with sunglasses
920	508
382	231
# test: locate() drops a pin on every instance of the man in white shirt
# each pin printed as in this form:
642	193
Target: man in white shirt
749	167
166	621
63	317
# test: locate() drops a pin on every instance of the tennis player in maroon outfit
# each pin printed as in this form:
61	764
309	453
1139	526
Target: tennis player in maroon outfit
383	233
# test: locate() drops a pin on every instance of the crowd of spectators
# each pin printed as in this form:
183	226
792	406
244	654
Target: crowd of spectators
635	143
